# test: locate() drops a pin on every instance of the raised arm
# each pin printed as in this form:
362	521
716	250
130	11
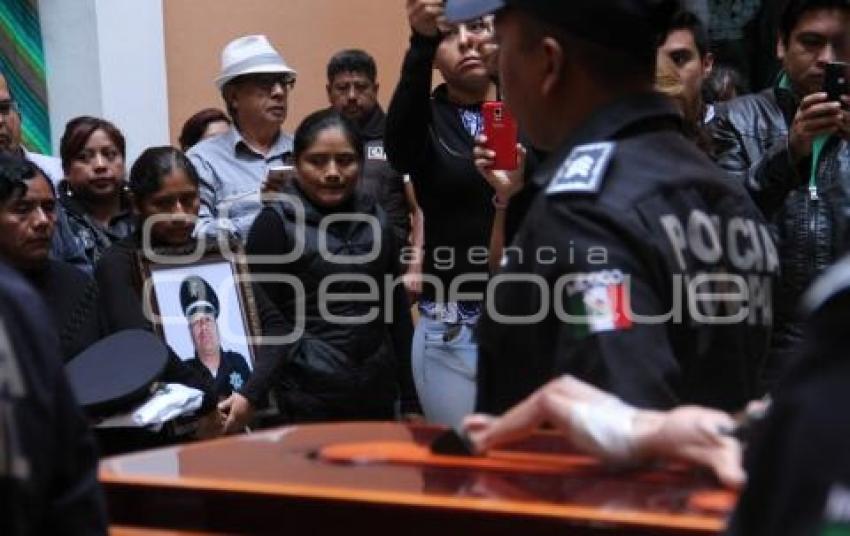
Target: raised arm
506	184
409	114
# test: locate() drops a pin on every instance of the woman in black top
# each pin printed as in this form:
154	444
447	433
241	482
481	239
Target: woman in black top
164	182
337	273
95	208
28	210
431	136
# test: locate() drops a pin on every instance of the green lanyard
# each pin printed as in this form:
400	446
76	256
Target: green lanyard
817	146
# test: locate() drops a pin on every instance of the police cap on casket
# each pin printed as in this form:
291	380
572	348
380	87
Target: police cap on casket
116	373
197	296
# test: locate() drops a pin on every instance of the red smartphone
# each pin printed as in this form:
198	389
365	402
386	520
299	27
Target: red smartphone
501	130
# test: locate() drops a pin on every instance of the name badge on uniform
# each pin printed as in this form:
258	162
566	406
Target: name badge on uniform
375	152
583	170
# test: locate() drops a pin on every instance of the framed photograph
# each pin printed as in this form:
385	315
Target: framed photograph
205	311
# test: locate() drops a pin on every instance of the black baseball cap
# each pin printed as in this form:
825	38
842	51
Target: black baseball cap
620	24
463	10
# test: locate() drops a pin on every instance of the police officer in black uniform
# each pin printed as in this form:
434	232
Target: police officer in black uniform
48	460
227	369
639	267
798	464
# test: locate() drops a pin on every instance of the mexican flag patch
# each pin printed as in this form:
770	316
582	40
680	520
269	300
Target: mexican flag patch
599	304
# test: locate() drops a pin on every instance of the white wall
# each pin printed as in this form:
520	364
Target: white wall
107	58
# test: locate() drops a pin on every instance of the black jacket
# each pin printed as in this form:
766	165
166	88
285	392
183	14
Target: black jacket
627	228
798	465
751	142
72	299
48	467
380	180
81	241
336	370
426	138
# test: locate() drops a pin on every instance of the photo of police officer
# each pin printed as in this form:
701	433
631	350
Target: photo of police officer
229	370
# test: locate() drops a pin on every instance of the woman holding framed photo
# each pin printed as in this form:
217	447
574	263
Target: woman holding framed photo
331	265
156	279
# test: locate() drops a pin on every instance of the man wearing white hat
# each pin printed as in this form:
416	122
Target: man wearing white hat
255	82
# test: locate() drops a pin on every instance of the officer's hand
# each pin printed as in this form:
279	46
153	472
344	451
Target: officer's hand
693	434
815	117
425	16
504	183
476	427
238	413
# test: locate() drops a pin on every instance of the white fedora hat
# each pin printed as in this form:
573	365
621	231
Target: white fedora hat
250	54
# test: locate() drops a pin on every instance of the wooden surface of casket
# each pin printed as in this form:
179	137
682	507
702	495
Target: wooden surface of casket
379	478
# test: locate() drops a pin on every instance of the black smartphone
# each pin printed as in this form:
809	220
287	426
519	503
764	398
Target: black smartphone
835	80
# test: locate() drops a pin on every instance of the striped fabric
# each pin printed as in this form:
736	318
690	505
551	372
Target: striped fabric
22	62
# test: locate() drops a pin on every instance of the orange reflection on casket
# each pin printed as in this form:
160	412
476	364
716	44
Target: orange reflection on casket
380	478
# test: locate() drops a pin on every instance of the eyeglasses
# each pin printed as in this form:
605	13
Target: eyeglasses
8	106
267	81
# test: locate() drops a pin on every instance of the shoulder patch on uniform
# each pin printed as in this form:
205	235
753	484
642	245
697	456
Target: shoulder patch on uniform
583	170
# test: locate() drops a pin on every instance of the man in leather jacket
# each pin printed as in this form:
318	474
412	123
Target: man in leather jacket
769	140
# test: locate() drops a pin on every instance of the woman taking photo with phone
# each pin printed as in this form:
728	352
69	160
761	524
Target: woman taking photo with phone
352	362
431	136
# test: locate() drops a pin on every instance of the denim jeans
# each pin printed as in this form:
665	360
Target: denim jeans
444	360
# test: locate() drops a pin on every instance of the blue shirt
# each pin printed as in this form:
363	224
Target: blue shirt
232	174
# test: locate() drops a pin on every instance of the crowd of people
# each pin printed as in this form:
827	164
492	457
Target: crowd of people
660	270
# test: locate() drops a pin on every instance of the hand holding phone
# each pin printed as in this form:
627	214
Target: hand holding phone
501	130
278	177
425	16
835	83
504	183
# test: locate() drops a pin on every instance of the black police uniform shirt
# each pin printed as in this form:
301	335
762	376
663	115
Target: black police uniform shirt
798	462
639	268
233	372
48	460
